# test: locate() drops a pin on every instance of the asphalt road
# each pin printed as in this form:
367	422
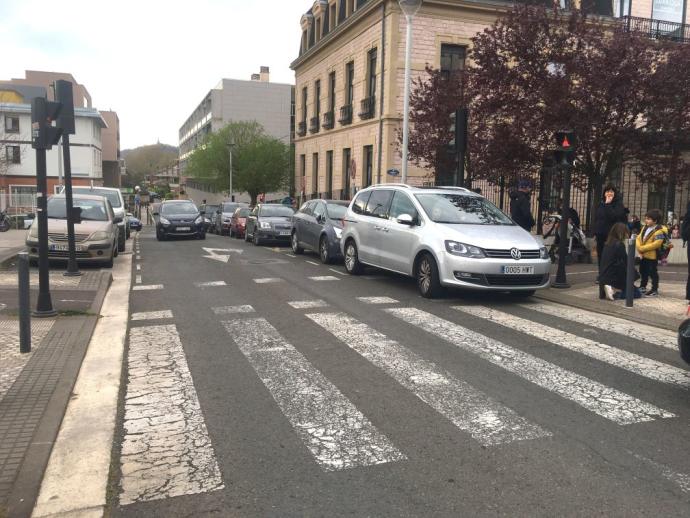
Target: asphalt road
238	403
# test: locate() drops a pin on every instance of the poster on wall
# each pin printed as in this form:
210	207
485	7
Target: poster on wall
668	10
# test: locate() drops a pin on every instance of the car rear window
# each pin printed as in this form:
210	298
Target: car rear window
336	211
112	196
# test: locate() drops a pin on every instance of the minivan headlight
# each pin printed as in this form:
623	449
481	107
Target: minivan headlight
544	252
164	221
463	250
265	225
99	236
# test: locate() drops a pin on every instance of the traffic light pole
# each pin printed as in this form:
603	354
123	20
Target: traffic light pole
72	266
44	305
561	280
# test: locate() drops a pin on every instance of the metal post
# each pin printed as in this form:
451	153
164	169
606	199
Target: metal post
44	305
561	280
232	198
24	303
502	192
72	266
630	276
406	102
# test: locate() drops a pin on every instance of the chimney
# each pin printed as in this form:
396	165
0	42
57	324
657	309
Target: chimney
265	74
256	77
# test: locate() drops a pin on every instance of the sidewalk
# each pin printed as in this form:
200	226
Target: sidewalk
666	311
35	388
11	243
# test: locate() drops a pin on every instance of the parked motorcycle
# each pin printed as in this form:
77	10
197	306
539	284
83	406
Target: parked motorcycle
5	223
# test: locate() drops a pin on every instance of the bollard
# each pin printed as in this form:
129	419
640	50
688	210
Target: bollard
24	304
630	275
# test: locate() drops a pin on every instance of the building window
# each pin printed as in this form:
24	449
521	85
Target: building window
331	92
11	124
303	172
318	29
317	98
304	104
331	16
371	73
350	7
452	59
368	160
668	10
329	174
13	155
347	161
350	85
315	174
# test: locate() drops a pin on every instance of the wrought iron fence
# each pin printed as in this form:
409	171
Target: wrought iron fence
657	29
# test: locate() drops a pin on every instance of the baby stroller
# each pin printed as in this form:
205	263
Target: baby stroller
578	248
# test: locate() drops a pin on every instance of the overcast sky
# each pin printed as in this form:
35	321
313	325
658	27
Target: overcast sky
151	61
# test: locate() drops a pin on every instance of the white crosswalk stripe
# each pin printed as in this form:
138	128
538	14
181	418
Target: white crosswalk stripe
486	420
210	284
377	300
268	280
147	287
337	434
652	335
230	310
166	450
620	358
308	304
319	278
596	397
152	315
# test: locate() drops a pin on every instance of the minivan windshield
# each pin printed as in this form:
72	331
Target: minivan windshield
178	208
276	211
460	209
112	196
336	211
91	210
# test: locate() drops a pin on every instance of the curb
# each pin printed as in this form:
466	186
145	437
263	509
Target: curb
12	254
595	306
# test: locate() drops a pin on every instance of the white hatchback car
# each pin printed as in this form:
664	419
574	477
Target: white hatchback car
443	237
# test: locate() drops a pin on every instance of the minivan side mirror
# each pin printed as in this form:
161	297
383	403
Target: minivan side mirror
406	219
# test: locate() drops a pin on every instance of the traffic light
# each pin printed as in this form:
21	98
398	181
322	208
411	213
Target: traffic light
565	147
63	95
44	135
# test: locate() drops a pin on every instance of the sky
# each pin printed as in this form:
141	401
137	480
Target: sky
151	61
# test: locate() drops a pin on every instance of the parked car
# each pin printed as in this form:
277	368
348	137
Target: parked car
238	222
269	221
176	218
118	203
443	237
209	216
224	215
134	223
95	231
318	226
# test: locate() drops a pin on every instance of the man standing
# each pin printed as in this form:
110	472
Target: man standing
520	209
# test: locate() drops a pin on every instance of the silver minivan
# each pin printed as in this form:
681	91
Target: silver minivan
443	237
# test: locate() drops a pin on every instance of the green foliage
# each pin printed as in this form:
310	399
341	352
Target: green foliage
260	163
146	160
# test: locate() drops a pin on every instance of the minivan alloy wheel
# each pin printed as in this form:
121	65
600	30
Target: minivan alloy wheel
352	264
428	278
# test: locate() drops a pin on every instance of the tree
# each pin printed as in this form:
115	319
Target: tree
538	70
147	160
259	163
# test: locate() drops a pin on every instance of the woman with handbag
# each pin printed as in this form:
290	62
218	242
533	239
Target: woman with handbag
614	263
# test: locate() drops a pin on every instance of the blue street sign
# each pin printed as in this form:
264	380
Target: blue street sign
393	172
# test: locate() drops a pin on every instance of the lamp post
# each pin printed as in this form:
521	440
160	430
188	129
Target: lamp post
230	144
410	8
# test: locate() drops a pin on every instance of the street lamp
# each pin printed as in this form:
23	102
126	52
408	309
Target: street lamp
410	8
231	143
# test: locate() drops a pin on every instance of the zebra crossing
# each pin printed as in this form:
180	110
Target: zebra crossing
339	436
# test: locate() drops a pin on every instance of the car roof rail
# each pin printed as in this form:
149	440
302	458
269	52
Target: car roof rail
452	187
391	185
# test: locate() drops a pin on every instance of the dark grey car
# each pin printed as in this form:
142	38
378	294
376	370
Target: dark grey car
269	222
318	226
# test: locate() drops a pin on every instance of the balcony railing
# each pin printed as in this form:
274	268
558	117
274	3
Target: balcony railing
367	108
345	114
657	29
301	128
314	125
328	120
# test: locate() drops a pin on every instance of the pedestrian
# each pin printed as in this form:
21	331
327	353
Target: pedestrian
614	263
675	231
573	215
635	225
685	236
649	243
609	212
520	205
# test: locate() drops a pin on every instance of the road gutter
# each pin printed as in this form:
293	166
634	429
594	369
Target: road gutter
76	479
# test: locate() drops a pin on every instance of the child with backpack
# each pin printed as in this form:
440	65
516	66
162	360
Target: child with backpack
653	243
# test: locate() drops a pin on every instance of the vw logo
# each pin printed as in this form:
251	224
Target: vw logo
515	254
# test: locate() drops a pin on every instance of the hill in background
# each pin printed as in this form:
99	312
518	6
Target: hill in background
145	160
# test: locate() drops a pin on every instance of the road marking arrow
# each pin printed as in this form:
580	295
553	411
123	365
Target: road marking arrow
223	258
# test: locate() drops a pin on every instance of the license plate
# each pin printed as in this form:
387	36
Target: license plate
183	229
65	248
284	232
518	270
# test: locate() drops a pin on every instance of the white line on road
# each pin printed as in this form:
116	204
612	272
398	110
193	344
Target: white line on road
600	399
230	310
308	304
138	258
337	271
313	262
267	280
620	326
682	480
377	300
137	279
486	420
138	267
337	434
166	450
620	358
291	255
324	278
148	287
152	315
210	284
